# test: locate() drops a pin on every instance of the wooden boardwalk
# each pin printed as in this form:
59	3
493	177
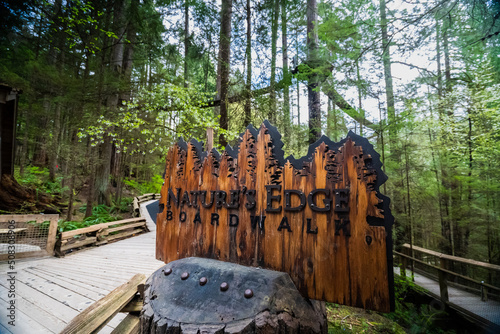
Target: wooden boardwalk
52	291
488	310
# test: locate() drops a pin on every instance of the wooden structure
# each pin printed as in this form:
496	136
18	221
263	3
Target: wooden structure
461	286
36	232
436	264
141	199
125	298
321	218
51	291
100	234
8	115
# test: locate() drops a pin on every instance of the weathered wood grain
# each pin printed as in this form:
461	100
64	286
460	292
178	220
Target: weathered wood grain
349	264
99	313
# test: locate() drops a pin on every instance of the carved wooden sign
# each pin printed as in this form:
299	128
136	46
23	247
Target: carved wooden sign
320	218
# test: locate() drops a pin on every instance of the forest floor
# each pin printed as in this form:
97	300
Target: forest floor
345	319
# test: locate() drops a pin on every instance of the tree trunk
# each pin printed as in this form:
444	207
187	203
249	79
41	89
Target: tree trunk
186	42
112	101
286	74
248	55
223	65
389	89
54	147
360	101
274	42
313	97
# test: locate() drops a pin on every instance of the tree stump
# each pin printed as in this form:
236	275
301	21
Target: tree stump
195	295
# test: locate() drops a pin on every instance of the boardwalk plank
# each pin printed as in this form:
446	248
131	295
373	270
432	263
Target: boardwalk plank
79	288
75	279
46	302
24	324
56	291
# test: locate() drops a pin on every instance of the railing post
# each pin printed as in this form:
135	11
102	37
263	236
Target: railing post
484	293
404	263
443	284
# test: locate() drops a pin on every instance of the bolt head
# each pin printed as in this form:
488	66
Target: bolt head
224	286
203	281
167	272
248	293
184	275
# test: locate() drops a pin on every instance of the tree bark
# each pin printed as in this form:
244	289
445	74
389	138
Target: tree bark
286	73
224	66
274	42
389	89
313	96
248	55
186	42
112	101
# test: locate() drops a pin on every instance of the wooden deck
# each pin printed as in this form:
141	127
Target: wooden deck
488	310
52	291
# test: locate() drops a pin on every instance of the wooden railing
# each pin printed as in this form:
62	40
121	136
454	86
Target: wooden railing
126	298
99	234
33	235
141	199
429	262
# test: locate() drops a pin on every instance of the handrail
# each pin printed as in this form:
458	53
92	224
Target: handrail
489	286
141	199
453	258
99	234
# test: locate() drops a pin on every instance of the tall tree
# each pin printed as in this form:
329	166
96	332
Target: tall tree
223	66
287	80
248	58
274	41
386	59
313	94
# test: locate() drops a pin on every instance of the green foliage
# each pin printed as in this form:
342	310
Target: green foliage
147	187
38	178
416	318
154	119
100	214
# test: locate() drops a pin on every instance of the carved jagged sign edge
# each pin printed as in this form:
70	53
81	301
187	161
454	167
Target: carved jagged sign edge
298	164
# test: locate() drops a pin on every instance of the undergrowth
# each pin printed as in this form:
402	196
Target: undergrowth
153	186
409	315
38	178
100	214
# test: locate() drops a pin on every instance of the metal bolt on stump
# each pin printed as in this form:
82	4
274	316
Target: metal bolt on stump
222	297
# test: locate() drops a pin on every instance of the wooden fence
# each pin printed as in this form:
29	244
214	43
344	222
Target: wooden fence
141	199
99	234
477	276
28	235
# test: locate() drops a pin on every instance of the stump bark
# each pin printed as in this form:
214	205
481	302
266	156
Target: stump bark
189	296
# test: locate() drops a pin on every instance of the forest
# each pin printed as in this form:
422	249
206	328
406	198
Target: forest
108	86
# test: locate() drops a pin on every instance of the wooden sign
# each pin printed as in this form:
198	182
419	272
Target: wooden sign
320	218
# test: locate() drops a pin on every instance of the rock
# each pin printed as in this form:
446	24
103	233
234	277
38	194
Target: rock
177	305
